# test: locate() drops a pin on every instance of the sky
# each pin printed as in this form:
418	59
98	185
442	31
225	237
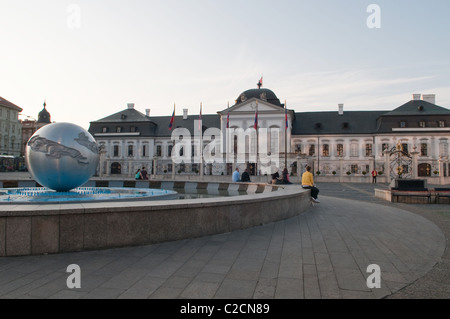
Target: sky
88	59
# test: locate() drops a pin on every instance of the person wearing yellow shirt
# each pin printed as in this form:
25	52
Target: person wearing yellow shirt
308	183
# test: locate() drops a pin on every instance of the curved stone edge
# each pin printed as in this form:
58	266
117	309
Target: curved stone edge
57	228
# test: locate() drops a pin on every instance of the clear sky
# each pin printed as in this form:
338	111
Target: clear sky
89	58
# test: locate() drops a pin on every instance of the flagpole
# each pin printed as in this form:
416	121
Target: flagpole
257	140
285	134
202	173
174	142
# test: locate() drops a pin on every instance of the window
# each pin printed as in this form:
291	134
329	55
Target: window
169	151
144	150
158	150
298	148
312	150
118	129
422	124
326	150
405	147
354	169
368	149
402	124
385	147
340	150
104	130
133	129
195	168
116	151
423	149
443	149
130	150
274	142
170	168
441	124
354	150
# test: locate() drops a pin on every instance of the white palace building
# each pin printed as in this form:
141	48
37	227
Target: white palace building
410	140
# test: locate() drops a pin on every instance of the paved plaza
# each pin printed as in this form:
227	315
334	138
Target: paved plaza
322	253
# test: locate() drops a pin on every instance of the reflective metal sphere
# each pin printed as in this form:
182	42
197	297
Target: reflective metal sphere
62	156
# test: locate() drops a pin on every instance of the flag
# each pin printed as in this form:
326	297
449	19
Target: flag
200	118
228	120
260	83
172	119
256	118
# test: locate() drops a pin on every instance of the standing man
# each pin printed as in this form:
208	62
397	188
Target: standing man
374	176
144	173
236	176
308	183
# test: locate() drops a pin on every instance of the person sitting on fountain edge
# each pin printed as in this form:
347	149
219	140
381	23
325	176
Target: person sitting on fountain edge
236	177
308	183
245	177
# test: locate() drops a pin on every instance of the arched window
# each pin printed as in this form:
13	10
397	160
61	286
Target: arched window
116	168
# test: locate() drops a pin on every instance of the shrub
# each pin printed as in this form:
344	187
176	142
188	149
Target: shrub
349	173
333	172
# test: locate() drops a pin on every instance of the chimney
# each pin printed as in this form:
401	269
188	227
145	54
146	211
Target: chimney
341	109
147	112
185	114
416	97
130	106
430	98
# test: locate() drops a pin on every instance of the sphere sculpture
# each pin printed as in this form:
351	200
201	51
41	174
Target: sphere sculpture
62	156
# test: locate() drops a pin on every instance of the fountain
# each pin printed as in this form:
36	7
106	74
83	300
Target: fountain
63	216
62	157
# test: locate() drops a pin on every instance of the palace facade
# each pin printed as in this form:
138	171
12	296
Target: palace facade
340	143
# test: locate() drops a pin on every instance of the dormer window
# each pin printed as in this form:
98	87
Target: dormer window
318	126
441	124
422	124
104	130
402	124
345	125
118	129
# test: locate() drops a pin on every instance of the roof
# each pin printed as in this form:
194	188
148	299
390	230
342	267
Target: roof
6	103
262	94
157	126
208	121
44	116
127	115
351	122
418	107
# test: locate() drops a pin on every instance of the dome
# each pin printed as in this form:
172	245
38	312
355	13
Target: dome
261	94
44	116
